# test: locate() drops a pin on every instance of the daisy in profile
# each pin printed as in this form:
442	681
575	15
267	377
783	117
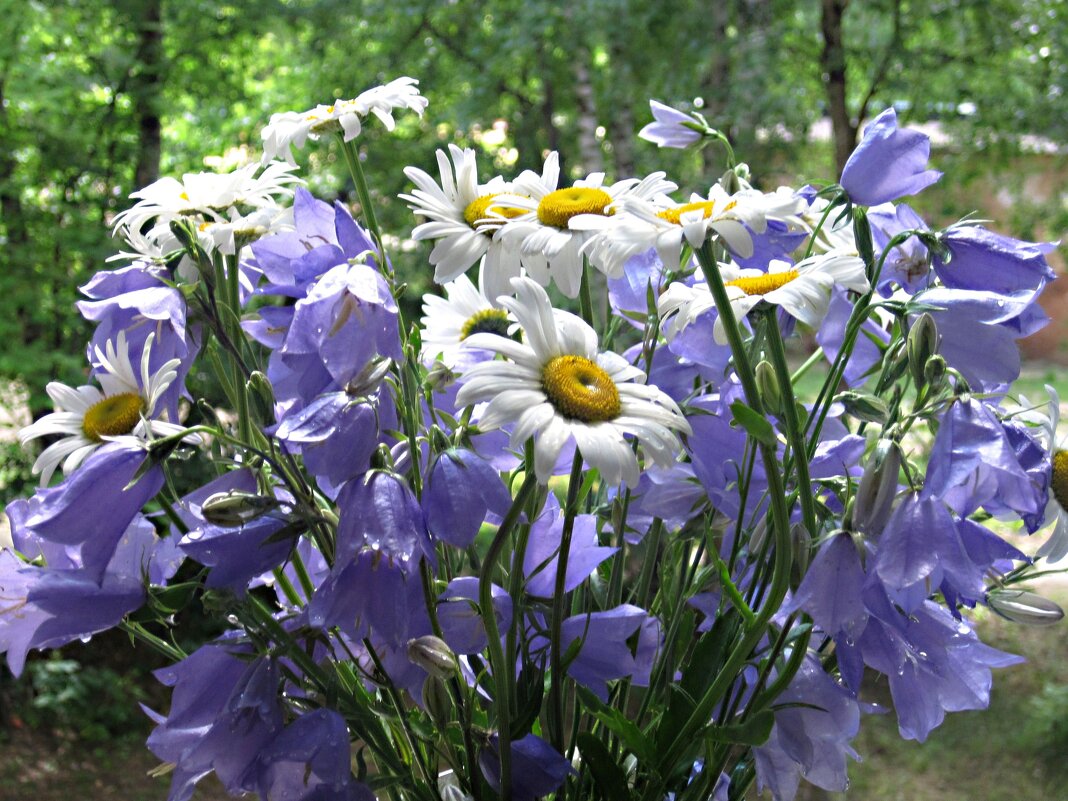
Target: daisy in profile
462	217
550	245
449	321
642	225
289	129
803	290
88	416
1056	547
206	197
556	386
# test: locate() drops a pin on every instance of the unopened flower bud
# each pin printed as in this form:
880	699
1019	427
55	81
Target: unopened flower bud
235	508
261	394
433	655
437	702
367	381
896	361
1024	607
768	384
934	372
923	341
864	406
440	376
878	486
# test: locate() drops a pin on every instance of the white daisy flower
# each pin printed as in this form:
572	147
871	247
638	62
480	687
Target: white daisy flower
557	386
803	290
549	245
205	197
87	416
231	234
462	217
462	313
642	225
1056	547
289	129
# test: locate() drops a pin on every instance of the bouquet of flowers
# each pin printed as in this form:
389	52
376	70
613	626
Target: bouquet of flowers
513	550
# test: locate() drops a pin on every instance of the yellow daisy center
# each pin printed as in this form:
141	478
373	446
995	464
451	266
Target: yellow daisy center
674	215
479	209
1059	480
487	321
113	416
763	284
556	208
579	389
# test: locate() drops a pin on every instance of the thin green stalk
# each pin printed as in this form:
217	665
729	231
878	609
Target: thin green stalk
352	159
137	631
794	435
783	556
287	587
555	718
503	673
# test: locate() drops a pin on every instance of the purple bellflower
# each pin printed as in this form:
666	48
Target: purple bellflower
93	507
888	163
671	127
235	554
537	769
809	740
462	491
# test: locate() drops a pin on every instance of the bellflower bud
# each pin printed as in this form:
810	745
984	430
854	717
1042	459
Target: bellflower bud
877	489
432	655
864	406
934	372
235	508
768	384
1024	607
923	341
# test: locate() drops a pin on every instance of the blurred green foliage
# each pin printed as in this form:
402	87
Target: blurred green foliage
94	703
87	85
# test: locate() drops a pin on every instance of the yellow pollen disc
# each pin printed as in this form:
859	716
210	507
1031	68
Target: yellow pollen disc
487	321
1059	480
184	196
763	284
579	389
675	215
480	208
556	208
110	417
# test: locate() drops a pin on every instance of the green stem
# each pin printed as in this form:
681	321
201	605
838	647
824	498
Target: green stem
352	159
794	435
137	631
502	672
555	718
783	556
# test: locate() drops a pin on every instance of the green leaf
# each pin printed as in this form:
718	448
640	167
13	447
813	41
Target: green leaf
752	732
754	423
632	737
608	777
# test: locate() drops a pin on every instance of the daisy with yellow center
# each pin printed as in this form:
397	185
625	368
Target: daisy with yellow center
448	322
556	386
1056	547
461	216
289	129
803	290
552	224
88	416
665	225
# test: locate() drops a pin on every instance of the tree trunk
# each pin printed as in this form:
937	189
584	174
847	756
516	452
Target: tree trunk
589	147
146	86
833	62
